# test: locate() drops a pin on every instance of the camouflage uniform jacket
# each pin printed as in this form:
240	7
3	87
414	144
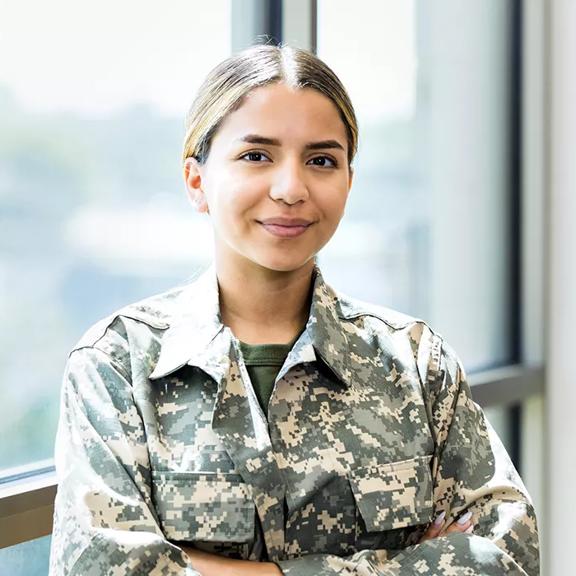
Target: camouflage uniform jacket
370	433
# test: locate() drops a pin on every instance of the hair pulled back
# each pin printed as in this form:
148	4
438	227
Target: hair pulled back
225	87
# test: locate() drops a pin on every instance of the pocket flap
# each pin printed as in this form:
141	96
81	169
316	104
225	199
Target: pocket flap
204	507
394	495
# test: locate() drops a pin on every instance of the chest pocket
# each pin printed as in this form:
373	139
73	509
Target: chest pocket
213	507
394	495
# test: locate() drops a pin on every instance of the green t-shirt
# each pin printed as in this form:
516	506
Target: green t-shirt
263	362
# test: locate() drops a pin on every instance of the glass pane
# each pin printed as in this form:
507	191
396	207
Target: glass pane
93	212
427	228
26	559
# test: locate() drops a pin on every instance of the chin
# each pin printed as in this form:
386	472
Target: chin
284	264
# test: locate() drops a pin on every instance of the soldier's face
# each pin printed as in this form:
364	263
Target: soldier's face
276	180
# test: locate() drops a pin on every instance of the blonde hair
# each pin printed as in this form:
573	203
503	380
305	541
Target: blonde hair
225	87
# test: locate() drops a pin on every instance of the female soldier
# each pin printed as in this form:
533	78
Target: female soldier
258	422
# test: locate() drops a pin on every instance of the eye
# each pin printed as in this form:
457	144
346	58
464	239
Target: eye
323	162
254	157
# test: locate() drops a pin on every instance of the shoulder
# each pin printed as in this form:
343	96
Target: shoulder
398	333
352	308
440	371
373	318
137	325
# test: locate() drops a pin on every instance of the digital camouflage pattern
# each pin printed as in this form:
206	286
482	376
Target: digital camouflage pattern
370	433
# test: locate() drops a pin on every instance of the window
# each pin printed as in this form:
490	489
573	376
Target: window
26	559
93	213
428	227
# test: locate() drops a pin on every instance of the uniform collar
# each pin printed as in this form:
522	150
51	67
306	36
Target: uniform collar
195	331
197	336
325	331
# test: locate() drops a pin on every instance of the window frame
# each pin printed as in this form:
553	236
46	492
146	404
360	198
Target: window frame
27	503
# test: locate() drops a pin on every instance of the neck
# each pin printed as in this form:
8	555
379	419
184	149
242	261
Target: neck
263	306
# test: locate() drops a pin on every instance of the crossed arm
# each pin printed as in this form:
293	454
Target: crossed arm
213	565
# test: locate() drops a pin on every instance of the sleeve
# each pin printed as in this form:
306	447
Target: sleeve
471	471
105	522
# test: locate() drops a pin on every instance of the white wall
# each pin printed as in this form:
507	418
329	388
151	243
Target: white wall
561	340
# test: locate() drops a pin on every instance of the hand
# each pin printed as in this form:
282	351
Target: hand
214	565
463	524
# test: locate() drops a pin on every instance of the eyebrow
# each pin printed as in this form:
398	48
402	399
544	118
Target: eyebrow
320	145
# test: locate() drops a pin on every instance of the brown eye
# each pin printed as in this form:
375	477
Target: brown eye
254	156
323	162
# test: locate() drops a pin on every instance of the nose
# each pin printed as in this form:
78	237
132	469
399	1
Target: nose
289	185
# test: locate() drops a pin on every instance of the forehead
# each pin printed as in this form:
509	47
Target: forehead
286	113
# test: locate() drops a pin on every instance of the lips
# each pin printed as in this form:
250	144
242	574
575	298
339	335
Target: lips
285	227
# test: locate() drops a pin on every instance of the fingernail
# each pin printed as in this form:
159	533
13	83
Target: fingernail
440	519
468	530
464	518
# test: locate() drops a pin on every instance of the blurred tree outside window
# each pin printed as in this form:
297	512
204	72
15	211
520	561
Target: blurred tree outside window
93	210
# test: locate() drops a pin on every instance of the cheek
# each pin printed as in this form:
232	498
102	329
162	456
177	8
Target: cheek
248	191
334	208
235	201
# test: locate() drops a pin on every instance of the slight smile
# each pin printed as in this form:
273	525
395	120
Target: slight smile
285	227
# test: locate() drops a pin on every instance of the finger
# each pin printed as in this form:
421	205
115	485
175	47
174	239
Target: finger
463	524
461	529
435	528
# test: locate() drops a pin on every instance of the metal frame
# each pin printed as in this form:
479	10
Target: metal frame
256	22
533	244
299	24
506	386
27	508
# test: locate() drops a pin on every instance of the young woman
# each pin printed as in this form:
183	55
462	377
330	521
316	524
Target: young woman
258	422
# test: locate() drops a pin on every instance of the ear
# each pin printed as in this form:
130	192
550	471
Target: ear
350	177
193	174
